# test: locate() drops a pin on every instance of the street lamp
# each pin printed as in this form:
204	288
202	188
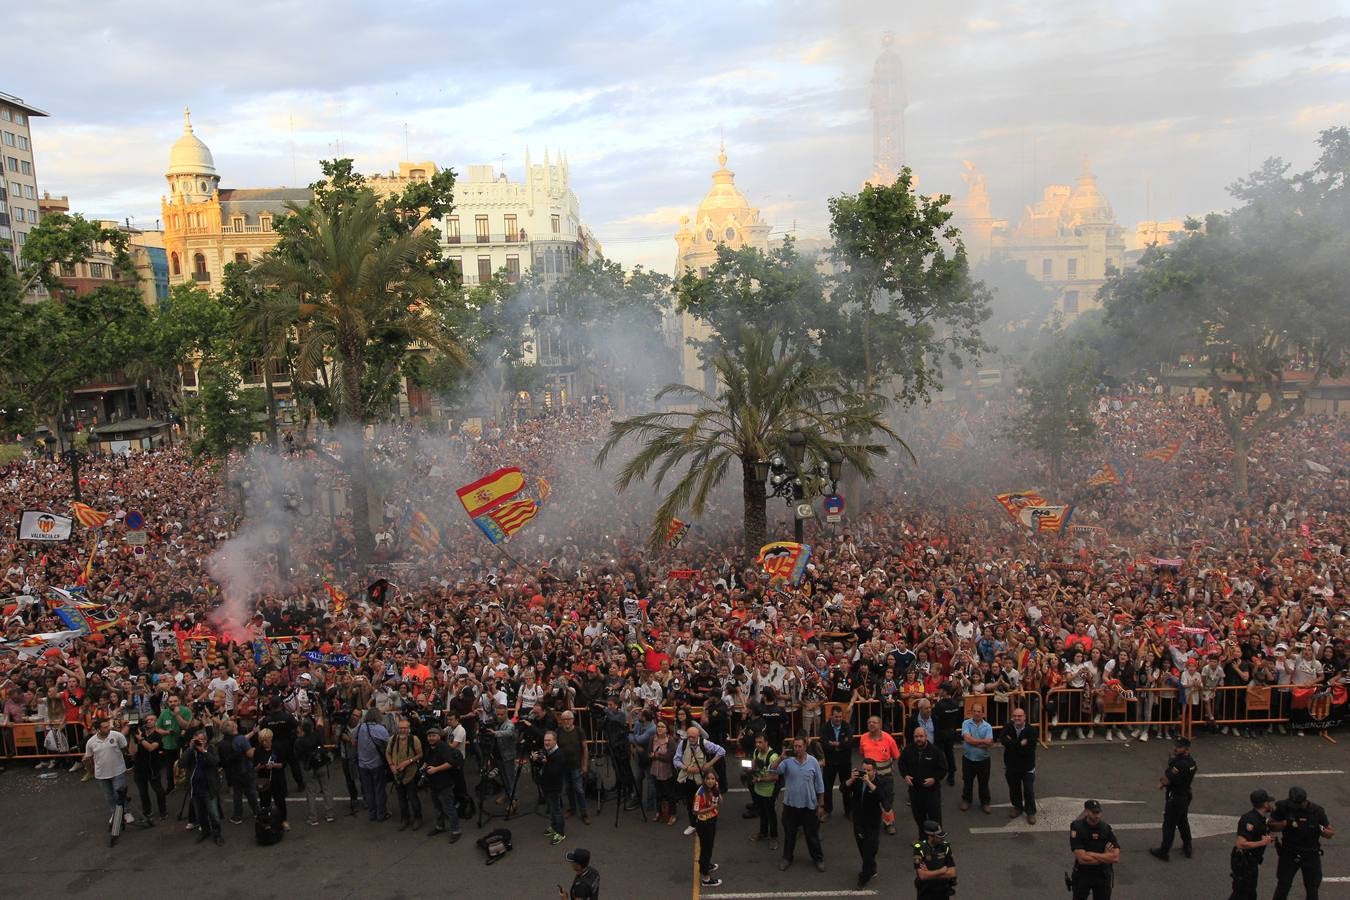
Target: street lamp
790	483
73	457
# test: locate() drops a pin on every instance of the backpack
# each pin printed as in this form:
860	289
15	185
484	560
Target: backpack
267	828
465	807
496	844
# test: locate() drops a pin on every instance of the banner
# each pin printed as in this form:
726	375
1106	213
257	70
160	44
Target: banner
337	599
785	560
35	525
197	646
675	532
491	491
1045	518
277	648
329	659
681	574
37	644
1014	502
377	591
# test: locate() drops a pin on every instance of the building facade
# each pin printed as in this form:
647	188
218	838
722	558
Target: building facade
146	249
724	218
19	194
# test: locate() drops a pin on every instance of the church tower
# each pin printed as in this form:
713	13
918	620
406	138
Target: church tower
888	104
192	172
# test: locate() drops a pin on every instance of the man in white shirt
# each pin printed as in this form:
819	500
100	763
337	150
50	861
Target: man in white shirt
223	681
106	751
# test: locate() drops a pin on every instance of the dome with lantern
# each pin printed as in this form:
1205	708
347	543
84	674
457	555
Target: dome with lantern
1086	204
189	155
724	213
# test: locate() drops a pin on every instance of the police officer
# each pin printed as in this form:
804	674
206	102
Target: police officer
1095	853
1176	781
923	768
1302	825
1253	837
934	867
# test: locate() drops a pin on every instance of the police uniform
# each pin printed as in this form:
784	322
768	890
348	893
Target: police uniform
1300	847
1246	864
1092	880
1179	774
933	856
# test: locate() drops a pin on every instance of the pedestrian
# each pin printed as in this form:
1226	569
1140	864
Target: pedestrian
837	739
1302	825
923	768
862	790
438	764
105	752
315	758
404	755
977	736
551	779
764	790
803	804
1019	741
1253	837
1176	781
371	740
585	880
934	867
707	801
1095	854
881	749
577	754
694	755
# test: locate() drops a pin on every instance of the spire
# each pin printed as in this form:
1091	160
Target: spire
187	120
722	154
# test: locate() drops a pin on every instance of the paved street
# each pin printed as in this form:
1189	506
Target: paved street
53	844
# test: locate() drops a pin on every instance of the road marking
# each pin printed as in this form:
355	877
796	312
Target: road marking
1338	879
1270	774
1054	815
697	875
766	895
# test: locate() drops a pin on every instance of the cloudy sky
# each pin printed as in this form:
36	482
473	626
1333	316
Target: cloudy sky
1171	101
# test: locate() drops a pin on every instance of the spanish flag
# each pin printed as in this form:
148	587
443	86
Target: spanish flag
88	516
1164	454
490	491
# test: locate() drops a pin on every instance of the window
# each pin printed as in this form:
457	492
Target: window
6	114
241	258
203	187
9	139
1070	303
96	270
457	265
20	237
452	229
20	118
174	265
480	228
513	269
1047	268
484	269
16	189
25	167
556	222
67	270
199	272
30	192
12	163
189	376
1073	267
265	222
512	232
23	142
237	222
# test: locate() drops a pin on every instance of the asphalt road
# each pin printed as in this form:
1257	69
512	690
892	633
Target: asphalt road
53	842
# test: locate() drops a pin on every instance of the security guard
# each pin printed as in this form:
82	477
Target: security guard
923	768
934	867
1253	837
1176	781
1301	825
1095	853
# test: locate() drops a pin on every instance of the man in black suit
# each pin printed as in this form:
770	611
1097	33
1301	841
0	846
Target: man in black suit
1019	741
837	738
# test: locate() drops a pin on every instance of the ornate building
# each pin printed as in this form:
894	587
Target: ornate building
724	217
888	102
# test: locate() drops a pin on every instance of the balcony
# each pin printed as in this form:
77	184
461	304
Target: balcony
201	277
510	237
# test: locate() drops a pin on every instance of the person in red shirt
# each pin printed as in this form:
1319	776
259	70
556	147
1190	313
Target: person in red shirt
880	748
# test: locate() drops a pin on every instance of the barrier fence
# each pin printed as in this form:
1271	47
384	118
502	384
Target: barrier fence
1058	711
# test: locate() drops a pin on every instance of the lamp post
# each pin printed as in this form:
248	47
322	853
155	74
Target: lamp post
73	457
790	481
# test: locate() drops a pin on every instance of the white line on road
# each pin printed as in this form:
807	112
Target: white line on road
1338	879
765	895
1270	774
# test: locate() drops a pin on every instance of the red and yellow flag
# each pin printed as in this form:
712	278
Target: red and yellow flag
337	599
1164	454
88	516
491	491
1014	502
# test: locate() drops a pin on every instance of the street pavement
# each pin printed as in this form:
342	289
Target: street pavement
53	841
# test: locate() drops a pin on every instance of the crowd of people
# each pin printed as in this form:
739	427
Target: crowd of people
455	674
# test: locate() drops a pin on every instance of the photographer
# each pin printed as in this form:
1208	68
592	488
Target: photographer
861	788
145	767
442	769
404	755
284	728
315	758
236	762
577	755
201	762
552	775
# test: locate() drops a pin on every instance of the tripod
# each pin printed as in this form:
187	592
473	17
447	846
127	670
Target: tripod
625	787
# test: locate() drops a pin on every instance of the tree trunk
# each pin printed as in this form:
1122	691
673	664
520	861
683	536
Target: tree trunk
271	403
755	520
1242	445
353	439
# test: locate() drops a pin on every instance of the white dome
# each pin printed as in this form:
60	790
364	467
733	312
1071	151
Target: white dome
189	156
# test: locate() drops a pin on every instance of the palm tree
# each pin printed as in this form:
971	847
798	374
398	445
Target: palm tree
344	282
763	399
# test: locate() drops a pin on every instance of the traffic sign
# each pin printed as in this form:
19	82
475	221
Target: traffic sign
134	520
137	538
804	511
834	507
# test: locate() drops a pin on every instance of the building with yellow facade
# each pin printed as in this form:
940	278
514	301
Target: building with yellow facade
724	217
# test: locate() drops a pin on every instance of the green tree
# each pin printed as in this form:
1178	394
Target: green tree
361	282
225	416
902	284
1251	294
1057	392
1019	306
493	323
764	398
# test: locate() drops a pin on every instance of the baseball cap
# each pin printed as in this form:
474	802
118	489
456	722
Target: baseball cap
1092	806
931	827
1259	797
581	856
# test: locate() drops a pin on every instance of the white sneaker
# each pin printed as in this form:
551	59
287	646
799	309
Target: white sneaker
1080	734
1223	730
1108	735
688	831
128	818
1092	732
74	767
1143	738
